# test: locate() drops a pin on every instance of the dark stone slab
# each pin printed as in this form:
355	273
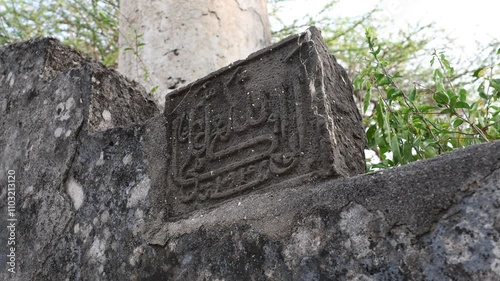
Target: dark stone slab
282	117
50	98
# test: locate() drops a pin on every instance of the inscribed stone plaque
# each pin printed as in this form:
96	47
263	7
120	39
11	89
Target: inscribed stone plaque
283	116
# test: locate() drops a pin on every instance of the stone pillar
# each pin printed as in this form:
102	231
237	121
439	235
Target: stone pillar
186	40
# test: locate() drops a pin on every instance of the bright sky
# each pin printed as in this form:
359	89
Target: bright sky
466	21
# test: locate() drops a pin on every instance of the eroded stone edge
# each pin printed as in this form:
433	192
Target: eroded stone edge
273	213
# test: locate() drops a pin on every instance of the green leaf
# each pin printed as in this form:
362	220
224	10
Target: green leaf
457	123
380	142
358	83
441	98
386	128
413	94
407	155
366	101
492	131
474	106
154	89
417	118
496	110
393	93
446	64
421	126
438	73
461	104
430	151
439	85
480	72
463	94
105	19
383	82
447	110
379	112
370	135
396	153
450	93
453	100
426	107
378	75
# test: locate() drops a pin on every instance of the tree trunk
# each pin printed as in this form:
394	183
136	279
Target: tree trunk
170	43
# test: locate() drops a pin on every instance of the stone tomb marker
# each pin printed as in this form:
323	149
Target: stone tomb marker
282	117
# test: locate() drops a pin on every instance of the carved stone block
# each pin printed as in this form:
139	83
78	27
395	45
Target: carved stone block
283	116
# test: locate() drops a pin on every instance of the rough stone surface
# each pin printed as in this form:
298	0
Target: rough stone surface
432	220
186	40
86	201
286	115
50	98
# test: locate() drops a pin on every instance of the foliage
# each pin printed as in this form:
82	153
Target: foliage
403	120
90	26
411	109
345	37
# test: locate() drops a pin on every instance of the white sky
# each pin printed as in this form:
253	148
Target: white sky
466	21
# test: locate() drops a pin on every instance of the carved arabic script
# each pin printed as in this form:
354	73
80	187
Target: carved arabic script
232	140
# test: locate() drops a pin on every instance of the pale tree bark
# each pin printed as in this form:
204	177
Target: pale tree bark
186	40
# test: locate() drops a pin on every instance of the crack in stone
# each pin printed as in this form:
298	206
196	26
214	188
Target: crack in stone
214	13
76	152
239	6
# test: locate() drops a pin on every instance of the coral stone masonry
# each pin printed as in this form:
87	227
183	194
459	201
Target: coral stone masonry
282	117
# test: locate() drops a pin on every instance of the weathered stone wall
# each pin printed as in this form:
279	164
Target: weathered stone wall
284	116
90	155
437	219
51	98
186	40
